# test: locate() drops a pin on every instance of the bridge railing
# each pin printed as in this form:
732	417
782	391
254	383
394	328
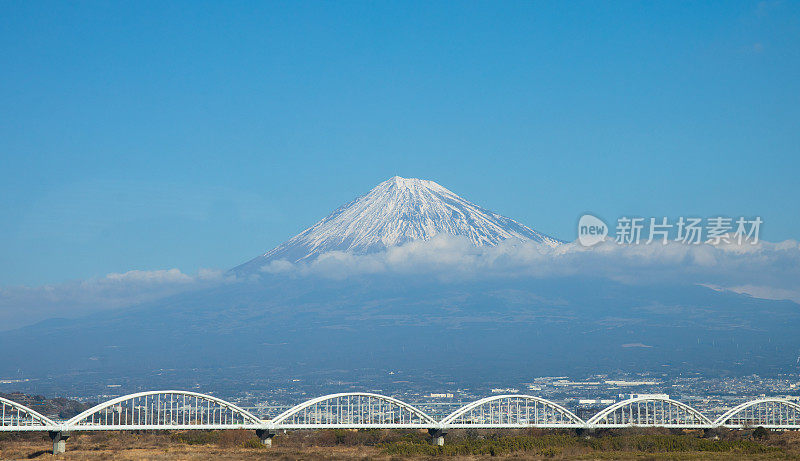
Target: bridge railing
164	410
17	417
512	411
650	411
353	410
191	410
769	413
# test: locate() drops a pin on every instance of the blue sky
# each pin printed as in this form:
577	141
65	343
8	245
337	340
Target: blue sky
161	135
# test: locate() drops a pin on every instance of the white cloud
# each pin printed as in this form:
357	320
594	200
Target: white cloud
766	270
760	291
155	277
23	305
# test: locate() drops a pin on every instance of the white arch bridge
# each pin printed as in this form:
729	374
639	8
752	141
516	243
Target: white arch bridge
181	410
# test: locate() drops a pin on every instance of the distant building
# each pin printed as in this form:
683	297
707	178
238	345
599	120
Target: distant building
505	391
564	382
596	401
632	383
644	396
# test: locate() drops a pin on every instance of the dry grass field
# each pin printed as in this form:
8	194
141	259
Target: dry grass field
398	445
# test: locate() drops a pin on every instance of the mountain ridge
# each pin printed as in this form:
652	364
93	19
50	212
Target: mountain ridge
397	211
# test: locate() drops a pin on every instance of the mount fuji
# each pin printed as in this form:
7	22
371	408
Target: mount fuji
367	330
397	211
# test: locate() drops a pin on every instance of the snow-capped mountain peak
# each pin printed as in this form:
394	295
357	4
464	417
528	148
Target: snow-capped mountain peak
397	211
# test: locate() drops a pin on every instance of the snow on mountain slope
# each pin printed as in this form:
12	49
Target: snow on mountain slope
397	211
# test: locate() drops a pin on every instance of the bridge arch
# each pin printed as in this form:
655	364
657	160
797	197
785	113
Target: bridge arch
649	411
164	410
512	411
17	417
769	412
353	410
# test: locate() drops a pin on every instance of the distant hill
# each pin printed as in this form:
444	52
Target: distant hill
56	408
469	332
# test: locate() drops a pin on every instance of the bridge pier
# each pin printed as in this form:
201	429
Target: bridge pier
266	436
437	436
59	439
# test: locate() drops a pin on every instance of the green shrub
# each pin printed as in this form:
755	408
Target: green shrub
761	433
